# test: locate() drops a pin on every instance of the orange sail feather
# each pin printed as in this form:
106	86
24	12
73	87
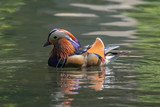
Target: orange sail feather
97	48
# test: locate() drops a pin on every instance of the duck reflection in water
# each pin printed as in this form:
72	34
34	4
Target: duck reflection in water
69	83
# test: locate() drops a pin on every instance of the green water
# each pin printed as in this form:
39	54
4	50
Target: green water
148	32
27	81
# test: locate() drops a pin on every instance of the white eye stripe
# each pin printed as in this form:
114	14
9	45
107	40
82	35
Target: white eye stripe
59	34
74	41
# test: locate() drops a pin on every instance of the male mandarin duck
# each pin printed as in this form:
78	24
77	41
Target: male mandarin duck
67	51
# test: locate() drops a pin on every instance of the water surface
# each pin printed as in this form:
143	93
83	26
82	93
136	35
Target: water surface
27	81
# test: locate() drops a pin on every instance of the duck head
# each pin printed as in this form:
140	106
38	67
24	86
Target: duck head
57	34
64	43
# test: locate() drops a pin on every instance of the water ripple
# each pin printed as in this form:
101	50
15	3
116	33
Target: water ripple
76	15
127	34
127	4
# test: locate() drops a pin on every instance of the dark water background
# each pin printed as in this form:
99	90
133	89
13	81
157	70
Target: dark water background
27	81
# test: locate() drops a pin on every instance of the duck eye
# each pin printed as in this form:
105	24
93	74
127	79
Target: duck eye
55	37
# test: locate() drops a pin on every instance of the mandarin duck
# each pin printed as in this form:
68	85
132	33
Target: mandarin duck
67	51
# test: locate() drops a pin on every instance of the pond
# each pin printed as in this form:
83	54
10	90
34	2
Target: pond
27	81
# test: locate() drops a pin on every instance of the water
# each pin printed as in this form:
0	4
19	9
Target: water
27	81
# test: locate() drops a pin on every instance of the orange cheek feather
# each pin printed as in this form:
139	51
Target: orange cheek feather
63	48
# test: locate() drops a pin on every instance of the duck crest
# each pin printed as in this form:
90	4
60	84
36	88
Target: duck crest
68	34
62	49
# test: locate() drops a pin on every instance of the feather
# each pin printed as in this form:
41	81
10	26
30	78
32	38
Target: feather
68	34
63	48
109	48
97	48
